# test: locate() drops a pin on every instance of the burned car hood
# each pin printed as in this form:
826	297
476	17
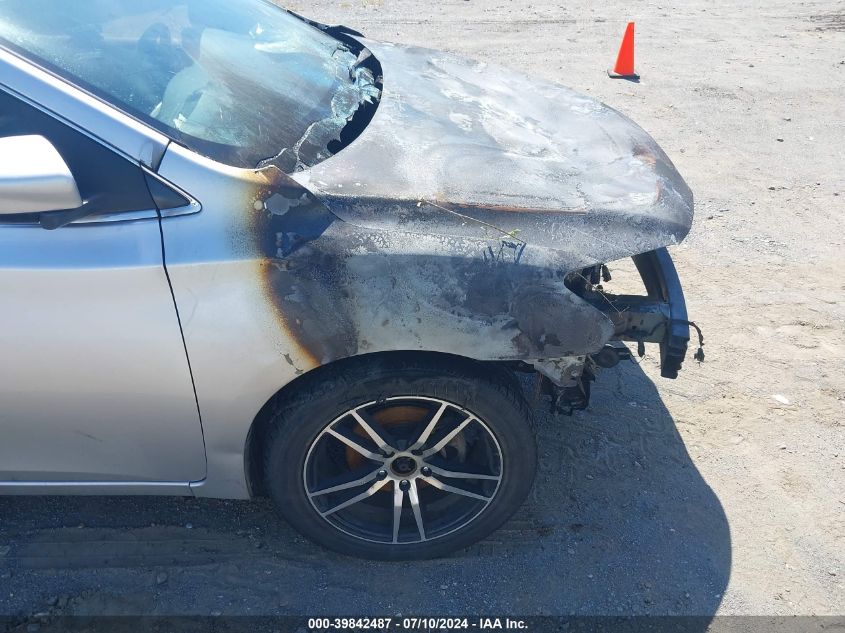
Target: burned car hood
465	149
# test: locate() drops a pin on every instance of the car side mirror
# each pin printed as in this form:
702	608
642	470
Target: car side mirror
34	177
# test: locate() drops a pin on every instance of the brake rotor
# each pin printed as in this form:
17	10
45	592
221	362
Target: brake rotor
397	417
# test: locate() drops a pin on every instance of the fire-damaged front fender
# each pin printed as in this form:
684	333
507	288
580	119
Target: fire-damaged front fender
344	289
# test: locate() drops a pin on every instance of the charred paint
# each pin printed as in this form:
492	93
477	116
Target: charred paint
451	221
496	146
341	290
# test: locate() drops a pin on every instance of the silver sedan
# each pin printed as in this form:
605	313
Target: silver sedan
244	253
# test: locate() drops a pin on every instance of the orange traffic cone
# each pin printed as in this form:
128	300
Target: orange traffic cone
624	68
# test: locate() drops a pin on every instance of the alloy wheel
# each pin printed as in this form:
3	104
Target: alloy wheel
405	469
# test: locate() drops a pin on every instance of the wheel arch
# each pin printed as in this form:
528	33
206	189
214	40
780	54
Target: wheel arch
253	462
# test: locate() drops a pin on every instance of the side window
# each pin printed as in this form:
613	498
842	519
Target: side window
107	182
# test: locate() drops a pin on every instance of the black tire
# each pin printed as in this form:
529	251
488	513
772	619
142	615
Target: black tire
299	421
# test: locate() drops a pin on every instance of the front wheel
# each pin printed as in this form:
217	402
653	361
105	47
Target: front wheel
401	457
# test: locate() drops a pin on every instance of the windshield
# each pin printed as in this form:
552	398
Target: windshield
240	81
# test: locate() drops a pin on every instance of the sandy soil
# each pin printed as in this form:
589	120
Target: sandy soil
721	492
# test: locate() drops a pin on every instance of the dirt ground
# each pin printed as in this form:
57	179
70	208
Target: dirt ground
720	492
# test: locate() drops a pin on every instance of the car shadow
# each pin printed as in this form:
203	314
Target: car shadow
620	522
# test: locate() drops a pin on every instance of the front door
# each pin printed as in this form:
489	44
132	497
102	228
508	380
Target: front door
95	386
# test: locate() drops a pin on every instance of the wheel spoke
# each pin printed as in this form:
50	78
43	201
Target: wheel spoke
448	437
343	483
355	445
380	437
429	429
458	491
455	474
369	492
398	499
414	498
